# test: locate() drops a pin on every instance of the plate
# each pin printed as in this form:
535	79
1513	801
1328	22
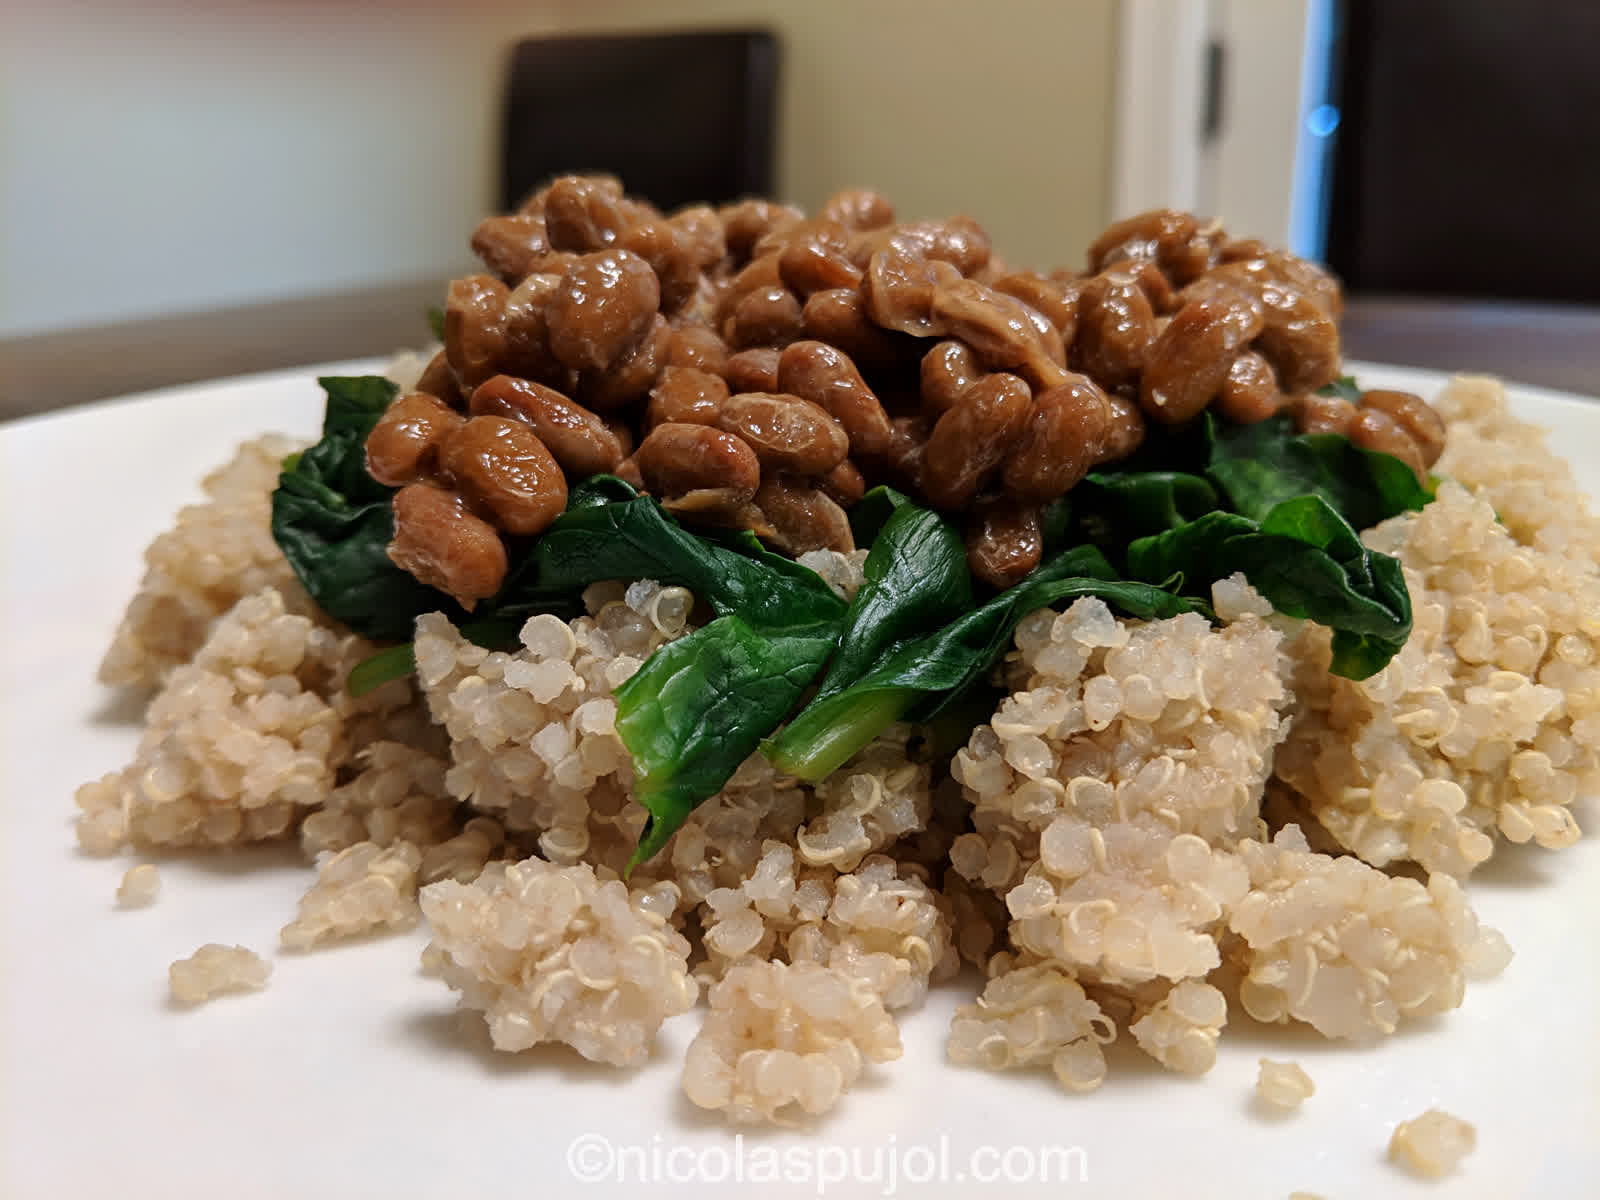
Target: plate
351	1075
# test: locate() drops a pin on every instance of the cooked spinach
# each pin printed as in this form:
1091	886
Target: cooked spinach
700	706
1303	557
1149	538
333	521
915	581
613	538
1257	467
919	678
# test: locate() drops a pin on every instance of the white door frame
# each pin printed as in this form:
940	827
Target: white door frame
1158	157
1155	157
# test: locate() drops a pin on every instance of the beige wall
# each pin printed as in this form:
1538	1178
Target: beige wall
999	109
161	156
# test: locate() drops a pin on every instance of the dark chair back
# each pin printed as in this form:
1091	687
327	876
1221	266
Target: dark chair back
1468	152
680	117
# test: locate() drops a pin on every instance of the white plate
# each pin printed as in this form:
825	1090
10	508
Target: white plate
347	1076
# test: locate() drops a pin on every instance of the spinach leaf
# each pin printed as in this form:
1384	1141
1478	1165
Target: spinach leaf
1303	557
871	513
699	707
1259	466
1110	509
636	539
333	521
921	678
916	579
436	322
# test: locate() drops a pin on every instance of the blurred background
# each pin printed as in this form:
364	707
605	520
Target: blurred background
198	189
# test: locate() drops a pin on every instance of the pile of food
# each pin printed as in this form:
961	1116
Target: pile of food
778	612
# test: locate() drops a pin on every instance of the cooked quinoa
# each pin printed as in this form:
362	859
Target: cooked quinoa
782	1040
1433	1144
218	552
1283	1085
214	969
361	888
139	887
561	954
1099	847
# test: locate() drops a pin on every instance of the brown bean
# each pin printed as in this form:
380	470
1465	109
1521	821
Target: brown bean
810	265
575	437
1188	363
404	445
628	471
838	316
1299	339
702	307
899	288
768	316
753	370
1414	415
1064	438
1005	541
747	221
963	243
1242	250
1125	434
505	471
475	326
604	305
1058	301
527	332
623	432
969	442
697	346
632	375
1160	233
902	462
1188	262
584	213
700	231
1153	282
786	432
438	379
686	396
947	371
959	241
678	461
760	272
827	234
824	375
1115	328
442	544
802	517
1307	277
1373	429
1004	332
858	208
659	243
1250	391
511	245
844	484
1228	285
1323	414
